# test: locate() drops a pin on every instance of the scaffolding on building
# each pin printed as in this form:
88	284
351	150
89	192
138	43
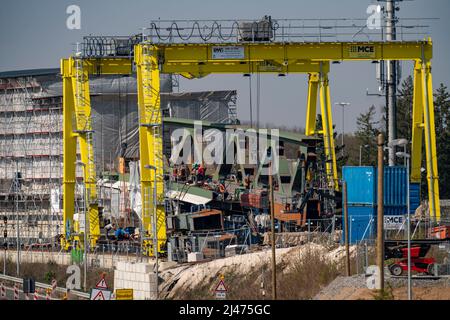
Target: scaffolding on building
30	161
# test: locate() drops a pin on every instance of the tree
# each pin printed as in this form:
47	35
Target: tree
442	121
367	131
404	109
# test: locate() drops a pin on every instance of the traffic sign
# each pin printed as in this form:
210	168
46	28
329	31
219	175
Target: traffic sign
98	294
124	294
221	287
221	295
101	284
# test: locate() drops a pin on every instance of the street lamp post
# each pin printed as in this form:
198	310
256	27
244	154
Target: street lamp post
155	227
16	207
406	157
391	145
343	105
360	152
85	225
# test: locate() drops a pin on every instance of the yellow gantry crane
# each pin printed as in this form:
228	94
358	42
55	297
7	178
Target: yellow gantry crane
195	60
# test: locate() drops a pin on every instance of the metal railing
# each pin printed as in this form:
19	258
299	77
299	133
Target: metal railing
279	30
45	286
251	31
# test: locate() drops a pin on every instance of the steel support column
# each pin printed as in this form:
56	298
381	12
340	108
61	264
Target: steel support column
69	154
150	145
430	142
327	131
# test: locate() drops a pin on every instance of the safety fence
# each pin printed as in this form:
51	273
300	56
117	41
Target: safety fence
52	292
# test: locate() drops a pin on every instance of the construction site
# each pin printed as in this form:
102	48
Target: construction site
109	166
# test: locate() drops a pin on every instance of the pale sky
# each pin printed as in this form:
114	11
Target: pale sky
33	34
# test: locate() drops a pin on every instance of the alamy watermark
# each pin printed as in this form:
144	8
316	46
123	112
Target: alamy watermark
374	19
73	21
234	146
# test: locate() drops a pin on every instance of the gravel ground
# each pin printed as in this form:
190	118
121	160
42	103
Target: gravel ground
349	284
341	282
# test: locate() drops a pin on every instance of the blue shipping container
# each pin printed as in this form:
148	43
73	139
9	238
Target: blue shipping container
361	182
362	188
414	197
362	223
394	184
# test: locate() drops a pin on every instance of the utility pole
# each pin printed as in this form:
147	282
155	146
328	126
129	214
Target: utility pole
391	87
85	239
16	198
406	157
347	247
155	233
272	220
85	235
380	212
5	242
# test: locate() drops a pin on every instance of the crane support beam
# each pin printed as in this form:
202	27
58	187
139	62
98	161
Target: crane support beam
327	131
150	148
311	104
228	57
417	125
423	123
69	154
430	142
108	66
78	128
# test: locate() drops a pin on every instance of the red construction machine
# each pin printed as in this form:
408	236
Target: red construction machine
399	252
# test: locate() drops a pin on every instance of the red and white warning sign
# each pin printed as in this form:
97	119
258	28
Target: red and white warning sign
101	284
101	292
221	289
97	294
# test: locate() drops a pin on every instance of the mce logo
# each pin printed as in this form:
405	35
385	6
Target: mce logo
362	49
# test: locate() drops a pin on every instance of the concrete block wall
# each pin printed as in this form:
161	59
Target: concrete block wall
106	260
137	276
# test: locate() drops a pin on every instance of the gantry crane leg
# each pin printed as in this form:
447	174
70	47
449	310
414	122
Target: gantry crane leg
423	122
311	104
318	82
150	148
69	155
77	126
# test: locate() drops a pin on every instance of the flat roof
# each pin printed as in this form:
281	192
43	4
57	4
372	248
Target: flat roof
29	73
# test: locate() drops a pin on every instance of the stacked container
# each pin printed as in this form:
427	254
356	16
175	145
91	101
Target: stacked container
361	202
362	198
